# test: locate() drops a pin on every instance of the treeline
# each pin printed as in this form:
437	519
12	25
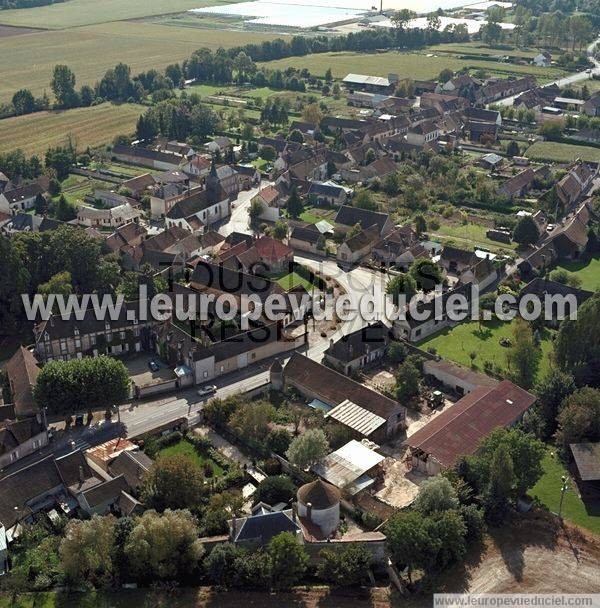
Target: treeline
589	8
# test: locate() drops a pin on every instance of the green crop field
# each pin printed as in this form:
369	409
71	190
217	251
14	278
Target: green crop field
75	13
406	65
562	153
28	60
93	126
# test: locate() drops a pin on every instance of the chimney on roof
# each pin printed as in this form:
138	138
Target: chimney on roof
81	477
309	511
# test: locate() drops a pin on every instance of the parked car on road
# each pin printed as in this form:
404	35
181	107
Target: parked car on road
209	389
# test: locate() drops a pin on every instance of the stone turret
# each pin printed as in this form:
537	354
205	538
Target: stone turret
276	375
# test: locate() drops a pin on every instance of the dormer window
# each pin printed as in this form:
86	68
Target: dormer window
76	331
107	326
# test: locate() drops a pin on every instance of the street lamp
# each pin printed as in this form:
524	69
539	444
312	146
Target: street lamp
563	489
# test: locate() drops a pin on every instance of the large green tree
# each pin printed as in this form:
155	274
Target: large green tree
66	387
63	86
577	346
307	449
347	567
164	547
86	551
579	419
523	357
289	560
526	231
173	482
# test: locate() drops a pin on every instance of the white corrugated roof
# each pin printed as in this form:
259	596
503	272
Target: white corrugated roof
363	79
357	418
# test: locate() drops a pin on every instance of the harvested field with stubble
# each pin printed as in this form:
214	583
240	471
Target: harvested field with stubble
75	13
94	126
28	61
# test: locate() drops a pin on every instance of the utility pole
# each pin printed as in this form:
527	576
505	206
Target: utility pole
564	488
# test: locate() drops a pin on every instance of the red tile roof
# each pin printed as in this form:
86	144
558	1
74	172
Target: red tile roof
458	430
272	250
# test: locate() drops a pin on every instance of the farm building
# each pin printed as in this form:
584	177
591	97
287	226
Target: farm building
458	430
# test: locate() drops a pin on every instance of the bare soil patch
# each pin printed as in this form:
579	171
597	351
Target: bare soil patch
530	554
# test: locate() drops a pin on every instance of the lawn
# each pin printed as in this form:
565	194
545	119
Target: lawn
76	13
92	126
28	60
185	448
548	490
469	235
588	272
562	153
456	343
417	66
292	280
313	215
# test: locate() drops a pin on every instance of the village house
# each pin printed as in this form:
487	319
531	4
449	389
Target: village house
240	350
363	411
358	349
423	133
542	60
518	185
482	274
197	167
200	210
459	429
573	186
570	238
347	217
257	529
431	316
126	238
358	247
22	424
172	246
327	193
307	239
21	198
107	218
274	255
455	261
59	486
592	106
541	287
271	200
22	371
63	339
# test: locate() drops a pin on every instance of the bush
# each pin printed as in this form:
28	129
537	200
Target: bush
275	489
